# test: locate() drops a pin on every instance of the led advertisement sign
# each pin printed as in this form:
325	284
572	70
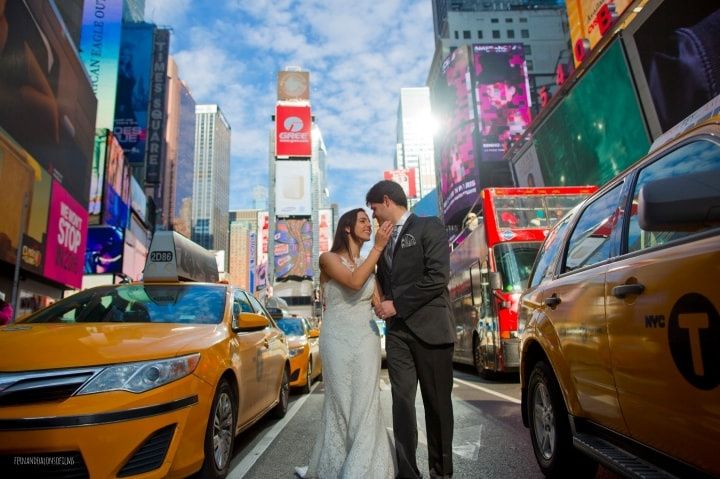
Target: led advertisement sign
293	131
133	83
117	187
105	247
100	51
97	176
292	188
293	250
47	104
503	97
158	82
263	221
405	178
325	230
66	238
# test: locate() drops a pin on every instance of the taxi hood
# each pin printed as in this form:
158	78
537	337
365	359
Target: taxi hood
26	347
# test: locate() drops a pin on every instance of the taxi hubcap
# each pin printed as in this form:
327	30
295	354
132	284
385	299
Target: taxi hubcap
222	430
544	422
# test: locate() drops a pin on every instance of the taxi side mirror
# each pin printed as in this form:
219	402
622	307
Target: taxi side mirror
314	333
246	322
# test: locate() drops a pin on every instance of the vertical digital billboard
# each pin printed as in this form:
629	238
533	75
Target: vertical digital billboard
105	247
502	97
100	51
252	252
66	238
97	176
293	124
133	84
405	178
293	250
597	130
325	230
292	188
47	104
156	122
116	199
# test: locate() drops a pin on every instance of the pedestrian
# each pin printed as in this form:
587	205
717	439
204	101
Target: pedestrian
6	310
413	274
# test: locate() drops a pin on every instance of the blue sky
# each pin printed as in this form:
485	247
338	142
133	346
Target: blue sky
359	55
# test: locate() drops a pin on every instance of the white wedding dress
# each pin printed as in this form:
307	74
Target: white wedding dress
352	442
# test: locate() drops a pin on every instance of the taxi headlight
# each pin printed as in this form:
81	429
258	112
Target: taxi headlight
141	377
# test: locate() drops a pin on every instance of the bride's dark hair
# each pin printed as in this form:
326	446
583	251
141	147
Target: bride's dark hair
341	241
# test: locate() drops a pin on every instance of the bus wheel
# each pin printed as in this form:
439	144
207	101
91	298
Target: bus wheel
481	365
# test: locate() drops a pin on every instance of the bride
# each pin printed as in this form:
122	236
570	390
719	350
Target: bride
352	441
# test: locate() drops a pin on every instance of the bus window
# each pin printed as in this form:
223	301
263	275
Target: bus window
514	262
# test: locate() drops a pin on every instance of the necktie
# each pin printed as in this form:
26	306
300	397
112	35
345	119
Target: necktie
390	247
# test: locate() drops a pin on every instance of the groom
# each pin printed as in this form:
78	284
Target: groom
413	273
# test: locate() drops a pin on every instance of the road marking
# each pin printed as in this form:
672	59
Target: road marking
239	471
488	391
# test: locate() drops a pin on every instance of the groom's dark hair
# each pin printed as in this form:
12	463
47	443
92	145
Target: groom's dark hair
386	188
341	241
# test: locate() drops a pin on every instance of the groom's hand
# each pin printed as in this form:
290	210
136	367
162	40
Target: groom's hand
385	309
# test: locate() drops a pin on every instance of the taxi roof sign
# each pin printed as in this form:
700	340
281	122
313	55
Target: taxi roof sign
173	257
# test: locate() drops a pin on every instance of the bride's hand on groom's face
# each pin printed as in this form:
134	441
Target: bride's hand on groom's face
383	233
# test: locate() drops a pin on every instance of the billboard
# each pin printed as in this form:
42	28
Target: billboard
293	250
263	222
117	187
293	86
47	104
589	21
133	83
138	200
97	176
503	97
293	131
526	166
156	123
252	252
405	178
100	52
292	188
325	230
15	163
597	130
66	238
104	253
135	249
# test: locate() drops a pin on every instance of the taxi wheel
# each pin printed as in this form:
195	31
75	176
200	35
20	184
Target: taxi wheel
550	428
308	379
220	433
280	409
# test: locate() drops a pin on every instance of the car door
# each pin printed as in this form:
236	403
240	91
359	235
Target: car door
274	354
248	361
575	303
662	307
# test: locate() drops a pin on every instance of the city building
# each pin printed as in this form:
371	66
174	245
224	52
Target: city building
415	139
133	11
211	178
242	249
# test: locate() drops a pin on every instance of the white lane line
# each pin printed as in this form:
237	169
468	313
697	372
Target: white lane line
239	471
488	391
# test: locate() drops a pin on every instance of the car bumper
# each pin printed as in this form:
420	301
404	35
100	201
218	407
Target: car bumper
298	369
104	435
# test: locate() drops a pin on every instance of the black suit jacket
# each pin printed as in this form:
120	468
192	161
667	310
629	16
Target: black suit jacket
417	282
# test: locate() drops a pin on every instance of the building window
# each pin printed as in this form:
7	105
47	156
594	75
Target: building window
528	49
480	35
508	20
525	33
466	34
511	33
529	64
496	33
495	20
523	20
457	35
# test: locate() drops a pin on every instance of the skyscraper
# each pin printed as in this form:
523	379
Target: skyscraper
211	178
415	138
242	253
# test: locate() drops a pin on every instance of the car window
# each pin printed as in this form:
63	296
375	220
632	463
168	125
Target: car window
548	252
259	309
697	157
242	301
590	241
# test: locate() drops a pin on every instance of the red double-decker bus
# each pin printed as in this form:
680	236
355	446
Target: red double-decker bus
490	268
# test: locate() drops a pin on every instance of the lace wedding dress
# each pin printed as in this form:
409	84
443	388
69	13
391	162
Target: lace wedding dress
352	442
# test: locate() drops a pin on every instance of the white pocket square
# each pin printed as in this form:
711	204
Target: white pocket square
407	241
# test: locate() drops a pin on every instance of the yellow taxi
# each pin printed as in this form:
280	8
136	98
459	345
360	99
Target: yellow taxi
620	355
151	379
305	361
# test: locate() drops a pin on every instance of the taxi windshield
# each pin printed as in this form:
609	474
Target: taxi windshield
291	326
514	262
189	304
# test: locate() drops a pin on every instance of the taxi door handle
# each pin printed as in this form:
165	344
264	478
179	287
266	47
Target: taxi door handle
626	289
553	301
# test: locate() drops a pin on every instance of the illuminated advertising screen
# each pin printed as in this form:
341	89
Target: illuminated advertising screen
293	250
135	249
156	125
133	83
293	131
502	97
325	230
100	52
293	85
292	188
47	104
597	130
405	178
97	176
252	252
66	238
138	200
527	167
589	21
15	163
105	246
263	221
452	103
260	276
117	187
